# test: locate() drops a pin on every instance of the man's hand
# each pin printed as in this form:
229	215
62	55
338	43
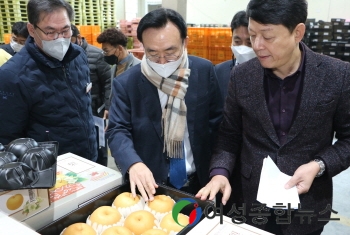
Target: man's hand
142	177
303	177
217	183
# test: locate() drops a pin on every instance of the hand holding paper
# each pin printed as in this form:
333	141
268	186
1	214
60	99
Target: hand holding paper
271	187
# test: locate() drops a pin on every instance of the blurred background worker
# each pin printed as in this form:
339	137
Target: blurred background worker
100	77
18	38
115	53
241	49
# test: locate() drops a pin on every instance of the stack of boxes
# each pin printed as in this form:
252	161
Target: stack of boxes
329	38
129	28
92	13
107	12
210	43
219	44
89	12
78	14
90	33
198	41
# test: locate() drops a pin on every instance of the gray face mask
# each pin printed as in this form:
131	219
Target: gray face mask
56	48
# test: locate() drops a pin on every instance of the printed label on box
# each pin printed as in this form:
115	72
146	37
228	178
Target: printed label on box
22	204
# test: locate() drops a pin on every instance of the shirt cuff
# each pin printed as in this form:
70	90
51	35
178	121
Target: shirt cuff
219	171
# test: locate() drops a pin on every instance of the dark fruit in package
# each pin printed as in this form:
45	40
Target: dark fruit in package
20	146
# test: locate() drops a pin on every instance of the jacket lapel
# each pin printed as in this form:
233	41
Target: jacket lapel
260	106
191	100
313	80
150	100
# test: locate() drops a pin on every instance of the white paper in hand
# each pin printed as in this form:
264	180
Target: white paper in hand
271	187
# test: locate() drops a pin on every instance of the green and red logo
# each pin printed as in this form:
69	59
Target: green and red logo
195	214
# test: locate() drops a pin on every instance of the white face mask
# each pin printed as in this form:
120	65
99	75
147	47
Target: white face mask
56	48
15	46
165	70
243	53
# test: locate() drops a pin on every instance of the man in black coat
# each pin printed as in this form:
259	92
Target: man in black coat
286	103
100	76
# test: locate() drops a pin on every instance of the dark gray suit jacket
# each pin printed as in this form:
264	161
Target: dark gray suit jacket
248	134
135	131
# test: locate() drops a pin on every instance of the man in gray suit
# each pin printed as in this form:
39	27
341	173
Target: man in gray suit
286	103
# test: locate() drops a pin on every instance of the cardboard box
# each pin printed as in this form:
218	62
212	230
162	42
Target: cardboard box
213	227
78	180
107	198
10	226
25	203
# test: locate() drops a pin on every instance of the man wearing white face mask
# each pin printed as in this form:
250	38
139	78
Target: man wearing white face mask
45	87
241	49
18	38
164	112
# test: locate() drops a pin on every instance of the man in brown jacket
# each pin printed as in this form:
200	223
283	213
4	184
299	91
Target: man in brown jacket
286	103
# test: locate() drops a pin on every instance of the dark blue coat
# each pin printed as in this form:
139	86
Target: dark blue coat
223	71
39	93
135	131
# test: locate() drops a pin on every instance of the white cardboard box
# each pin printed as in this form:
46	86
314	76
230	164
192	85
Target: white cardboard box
78	180
10	226
23	203
213	227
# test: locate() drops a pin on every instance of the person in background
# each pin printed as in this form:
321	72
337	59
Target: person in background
241	49
45	88
100	77
18	38
165	111
4	56
286	104
240	46
115	53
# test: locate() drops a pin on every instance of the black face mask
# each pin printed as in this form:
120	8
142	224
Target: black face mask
111	59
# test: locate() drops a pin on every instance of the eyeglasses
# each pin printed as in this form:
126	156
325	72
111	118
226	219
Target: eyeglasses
105	53
168	58
54	35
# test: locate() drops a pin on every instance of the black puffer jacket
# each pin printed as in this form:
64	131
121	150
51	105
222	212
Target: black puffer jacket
100	76
39	93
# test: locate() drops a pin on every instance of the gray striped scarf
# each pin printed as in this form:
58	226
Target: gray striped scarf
174	115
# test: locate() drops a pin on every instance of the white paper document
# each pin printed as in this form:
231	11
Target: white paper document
271	187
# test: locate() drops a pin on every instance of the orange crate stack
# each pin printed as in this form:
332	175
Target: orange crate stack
219	54
199	51
86	32
197	36
221	36
7	38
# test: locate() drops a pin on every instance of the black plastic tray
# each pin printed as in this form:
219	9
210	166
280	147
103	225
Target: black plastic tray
106	199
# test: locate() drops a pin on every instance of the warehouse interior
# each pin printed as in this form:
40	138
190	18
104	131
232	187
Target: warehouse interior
328	32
